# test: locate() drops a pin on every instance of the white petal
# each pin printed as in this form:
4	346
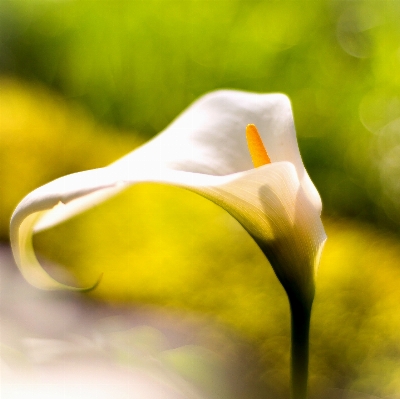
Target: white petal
269	202
79	191
204	150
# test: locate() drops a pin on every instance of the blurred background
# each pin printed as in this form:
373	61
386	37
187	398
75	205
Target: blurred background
84	82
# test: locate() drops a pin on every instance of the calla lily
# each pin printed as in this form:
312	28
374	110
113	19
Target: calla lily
204	150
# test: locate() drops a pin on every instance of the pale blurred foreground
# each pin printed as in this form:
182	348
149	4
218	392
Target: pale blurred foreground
64	345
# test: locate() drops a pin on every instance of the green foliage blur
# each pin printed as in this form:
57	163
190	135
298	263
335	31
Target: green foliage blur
84	82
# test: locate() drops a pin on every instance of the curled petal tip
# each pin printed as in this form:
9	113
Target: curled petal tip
93	287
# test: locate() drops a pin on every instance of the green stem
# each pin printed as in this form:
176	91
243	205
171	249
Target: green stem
301	315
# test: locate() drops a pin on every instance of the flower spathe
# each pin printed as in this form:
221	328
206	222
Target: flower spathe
204	150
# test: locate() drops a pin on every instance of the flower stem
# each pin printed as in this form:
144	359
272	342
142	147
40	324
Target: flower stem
301	315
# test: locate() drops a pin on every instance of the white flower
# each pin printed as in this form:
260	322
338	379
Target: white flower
204	150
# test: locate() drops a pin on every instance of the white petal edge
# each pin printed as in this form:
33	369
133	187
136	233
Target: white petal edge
269	202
